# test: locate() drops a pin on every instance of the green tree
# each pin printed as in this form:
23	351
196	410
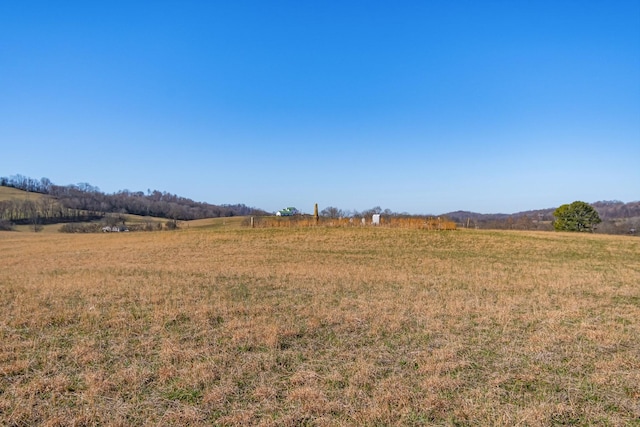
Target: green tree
577	216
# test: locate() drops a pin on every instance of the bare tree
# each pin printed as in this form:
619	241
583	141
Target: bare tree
332	212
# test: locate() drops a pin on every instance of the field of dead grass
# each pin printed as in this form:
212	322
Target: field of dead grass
223	222
319	326
9	193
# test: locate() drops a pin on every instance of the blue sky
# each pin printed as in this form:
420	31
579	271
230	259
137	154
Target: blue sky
420	107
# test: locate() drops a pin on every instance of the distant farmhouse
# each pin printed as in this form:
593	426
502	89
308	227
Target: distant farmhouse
287	212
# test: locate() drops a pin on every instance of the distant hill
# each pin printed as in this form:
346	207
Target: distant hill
617	218
606	209
29	201
539	215
616	209
10	193
26	200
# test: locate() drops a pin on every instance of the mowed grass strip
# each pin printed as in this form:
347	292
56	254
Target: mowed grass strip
319	326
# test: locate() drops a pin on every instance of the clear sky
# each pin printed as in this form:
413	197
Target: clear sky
416	106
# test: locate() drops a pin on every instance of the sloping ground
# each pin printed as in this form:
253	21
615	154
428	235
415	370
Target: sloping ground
9	193
130	220
226	222
320	326
47	229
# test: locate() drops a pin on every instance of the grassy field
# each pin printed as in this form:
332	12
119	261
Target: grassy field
210	223
8	193
319	326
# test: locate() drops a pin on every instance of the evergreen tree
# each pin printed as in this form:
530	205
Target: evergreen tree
577	216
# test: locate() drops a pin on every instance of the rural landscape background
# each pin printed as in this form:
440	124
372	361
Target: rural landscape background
162	263
424	107
33	203
213	322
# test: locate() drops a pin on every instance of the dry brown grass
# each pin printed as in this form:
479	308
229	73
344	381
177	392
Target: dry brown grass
9	193
299	221
319	326
223	222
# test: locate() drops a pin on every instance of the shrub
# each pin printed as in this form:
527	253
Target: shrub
5	225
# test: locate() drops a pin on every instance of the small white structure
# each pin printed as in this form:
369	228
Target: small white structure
375	219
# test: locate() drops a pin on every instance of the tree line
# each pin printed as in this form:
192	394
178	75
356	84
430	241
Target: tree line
42	211
83	202
526	221
614	217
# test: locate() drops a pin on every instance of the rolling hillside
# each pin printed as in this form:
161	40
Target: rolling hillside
25	202
9	193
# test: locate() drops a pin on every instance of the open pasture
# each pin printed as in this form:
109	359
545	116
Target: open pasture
319	326
9	193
